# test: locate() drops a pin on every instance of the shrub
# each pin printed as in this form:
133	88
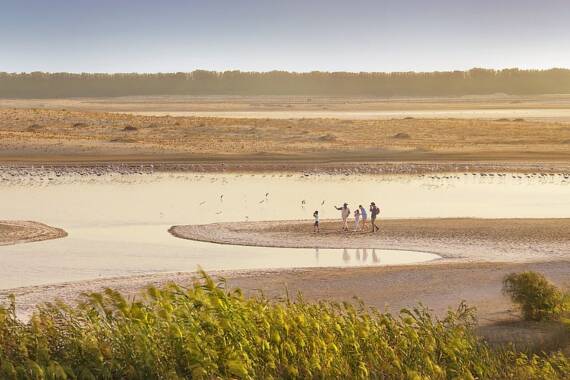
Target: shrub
207	332
535	295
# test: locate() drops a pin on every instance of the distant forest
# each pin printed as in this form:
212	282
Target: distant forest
200	82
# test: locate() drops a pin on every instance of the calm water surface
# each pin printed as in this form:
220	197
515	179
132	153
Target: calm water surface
562	114
118	225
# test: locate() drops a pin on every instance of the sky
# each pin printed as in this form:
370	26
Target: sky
292	35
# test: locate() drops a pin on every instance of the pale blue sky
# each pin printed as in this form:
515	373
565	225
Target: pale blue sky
294	35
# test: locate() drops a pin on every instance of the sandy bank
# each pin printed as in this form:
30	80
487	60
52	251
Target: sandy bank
467	239
14	232
438	285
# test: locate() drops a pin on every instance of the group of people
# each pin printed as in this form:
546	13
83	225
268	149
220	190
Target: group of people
360	214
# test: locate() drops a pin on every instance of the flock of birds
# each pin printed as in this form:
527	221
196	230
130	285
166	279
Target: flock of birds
563	176
47	174
53	173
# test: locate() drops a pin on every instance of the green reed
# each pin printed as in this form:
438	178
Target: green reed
207	332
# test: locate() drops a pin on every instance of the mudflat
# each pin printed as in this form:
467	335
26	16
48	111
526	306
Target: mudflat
14	232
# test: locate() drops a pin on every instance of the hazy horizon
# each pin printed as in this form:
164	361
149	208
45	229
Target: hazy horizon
108	36
283	71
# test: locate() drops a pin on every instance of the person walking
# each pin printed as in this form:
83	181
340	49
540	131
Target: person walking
363	216
374	211
356	220
316	227
345	213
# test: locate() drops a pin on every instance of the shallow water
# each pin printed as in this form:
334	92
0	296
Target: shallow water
524	113
118	225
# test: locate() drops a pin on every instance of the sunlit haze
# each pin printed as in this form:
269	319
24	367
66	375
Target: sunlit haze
258	35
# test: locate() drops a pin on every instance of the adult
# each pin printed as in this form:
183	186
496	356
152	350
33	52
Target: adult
363	216
345	213
374	211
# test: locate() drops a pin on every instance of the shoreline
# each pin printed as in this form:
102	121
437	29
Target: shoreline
18	232
66	166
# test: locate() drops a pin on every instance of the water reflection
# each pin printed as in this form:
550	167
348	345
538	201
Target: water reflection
358	255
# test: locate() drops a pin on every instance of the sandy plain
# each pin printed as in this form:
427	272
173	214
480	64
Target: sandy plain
109	130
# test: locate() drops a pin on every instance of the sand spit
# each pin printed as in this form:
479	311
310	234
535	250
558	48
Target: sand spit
14	232
466	239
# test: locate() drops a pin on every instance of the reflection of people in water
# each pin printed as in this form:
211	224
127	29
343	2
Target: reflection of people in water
364	254
374	257
317	254
358	254
345	255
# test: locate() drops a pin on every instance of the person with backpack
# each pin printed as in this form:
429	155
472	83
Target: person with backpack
374	211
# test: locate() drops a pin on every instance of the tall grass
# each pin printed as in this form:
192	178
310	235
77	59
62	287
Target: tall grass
206	331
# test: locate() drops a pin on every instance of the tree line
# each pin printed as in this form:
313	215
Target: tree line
199	82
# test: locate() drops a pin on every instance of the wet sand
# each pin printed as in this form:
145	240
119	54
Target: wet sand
14	232
466	239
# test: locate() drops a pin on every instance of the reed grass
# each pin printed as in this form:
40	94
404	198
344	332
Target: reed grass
206	331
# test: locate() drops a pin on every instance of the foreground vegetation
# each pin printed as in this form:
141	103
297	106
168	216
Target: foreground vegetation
537	298
206	331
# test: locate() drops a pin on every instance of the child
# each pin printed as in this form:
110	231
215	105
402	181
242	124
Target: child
356	220
316	227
